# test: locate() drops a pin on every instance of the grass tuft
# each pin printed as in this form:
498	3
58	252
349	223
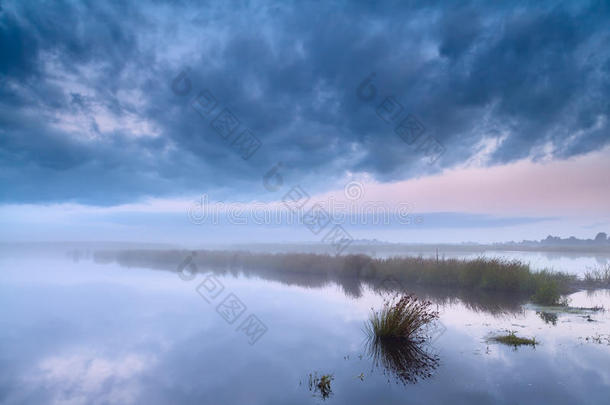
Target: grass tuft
511	339
401	317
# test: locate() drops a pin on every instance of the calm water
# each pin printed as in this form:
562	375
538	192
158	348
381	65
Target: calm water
77	332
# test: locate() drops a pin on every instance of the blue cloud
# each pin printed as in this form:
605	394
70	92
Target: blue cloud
87	111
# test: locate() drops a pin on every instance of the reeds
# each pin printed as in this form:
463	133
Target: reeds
482	274
597	277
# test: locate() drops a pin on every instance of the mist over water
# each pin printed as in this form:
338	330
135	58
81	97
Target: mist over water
84	332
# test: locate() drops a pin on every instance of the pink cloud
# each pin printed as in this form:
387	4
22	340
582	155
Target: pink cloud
576	187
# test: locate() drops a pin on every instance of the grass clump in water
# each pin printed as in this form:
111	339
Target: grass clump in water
549	293
397	336
401	317
511	339
321	385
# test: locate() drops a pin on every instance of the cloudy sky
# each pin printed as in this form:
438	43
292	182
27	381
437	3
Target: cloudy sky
488	120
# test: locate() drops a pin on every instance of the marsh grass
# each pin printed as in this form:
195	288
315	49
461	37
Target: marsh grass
597	277
491	275
321	385
549	293
511	339
401	317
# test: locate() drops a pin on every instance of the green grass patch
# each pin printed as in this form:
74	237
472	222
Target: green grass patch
548	293
511	339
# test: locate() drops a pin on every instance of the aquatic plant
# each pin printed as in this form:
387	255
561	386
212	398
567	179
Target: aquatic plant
599	339
321	385
549	293
511	339
401	317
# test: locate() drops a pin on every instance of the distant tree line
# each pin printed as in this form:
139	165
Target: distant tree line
601	239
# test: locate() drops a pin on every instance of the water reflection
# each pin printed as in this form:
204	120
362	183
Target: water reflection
402	361
548	317
494	302
81	333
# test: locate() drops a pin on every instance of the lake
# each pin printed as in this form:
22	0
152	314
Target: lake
77	331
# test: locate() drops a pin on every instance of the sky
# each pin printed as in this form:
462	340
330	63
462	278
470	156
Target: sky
463	121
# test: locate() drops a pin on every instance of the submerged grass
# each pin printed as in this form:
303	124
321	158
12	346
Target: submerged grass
511	339
321	385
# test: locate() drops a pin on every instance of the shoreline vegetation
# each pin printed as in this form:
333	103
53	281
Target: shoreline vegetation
477	275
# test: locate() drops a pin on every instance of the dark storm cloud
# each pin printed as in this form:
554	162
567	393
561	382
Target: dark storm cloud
87	112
